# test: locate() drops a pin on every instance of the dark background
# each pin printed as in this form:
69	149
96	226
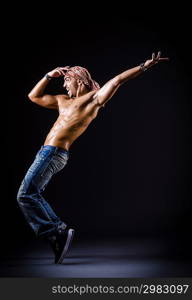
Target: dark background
129	173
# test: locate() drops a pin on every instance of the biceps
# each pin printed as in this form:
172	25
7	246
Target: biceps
107	91
48	101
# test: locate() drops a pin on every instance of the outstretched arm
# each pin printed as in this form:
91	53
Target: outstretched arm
109	89
37	93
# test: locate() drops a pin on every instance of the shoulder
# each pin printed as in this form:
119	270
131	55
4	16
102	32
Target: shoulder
62	97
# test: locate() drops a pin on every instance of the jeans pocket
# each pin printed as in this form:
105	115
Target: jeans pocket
44	153
56	164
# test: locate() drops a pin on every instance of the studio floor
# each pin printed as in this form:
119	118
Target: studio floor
97	257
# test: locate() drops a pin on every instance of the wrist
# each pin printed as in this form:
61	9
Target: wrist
48	77
143	68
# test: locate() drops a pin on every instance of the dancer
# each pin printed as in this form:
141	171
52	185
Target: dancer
76	111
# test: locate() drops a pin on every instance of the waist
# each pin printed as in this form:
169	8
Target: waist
55	149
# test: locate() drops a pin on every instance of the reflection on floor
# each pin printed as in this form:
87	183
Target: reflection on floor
93	258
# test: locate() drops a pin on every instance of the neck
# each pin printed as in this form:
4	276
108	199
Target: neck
84	90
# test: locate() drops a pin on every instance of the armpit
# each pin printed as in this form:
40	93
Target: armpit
95	100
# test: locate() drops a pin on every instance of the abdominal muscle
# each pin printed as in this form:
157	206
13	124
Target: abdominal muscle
64	132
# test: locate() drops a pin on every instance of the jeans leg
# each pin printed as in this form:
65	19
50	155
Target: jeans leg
36	209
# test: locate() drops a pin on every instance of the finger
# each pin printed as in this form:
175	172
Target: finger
158	55
59	71
62	72
65	68
164	58
153	56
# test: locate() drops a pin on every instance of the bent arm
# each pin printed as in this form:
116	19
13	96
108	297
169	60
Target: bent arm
37	95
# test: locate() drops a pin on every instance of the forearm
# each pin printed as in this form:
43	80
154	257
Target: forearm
39	88
109	89
134	72
129	74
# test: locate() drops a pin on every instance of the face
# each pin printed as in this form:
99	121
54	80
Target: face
71	85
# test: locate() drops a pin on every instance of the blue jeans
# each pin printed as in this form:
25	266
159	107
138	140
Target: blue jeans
38	213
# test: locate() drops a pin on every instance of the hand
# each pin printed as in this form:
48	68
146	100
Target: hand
154	60
58	72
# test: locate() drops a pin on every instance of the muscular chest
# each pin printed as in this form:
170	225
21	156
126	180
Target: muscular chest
77	111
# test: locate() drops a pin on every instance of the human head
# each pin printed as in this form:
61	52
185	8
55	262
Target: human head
74	76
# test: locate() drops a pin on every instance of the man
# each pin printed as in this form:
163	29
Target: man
76	111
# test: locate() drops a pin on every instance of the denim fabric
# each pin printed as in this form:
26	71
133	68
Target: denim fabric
38	213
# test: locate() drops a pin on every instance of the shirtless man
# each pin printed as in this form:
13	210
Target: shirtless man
76	111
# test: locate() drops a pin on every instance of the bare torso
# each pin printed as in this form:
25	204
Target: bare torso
75	115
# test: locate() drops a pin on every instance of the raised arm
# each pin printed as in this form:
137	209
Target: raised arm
109	89
37	93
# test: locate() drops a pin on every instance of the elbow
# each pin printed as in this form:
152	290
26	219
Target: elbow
31	97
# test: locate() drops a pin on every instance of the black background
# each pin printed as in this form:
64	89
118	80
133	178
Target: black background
129	174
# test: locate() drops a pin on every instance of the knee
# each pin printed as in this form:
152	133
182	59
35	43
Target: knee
20	196
27	194
22	193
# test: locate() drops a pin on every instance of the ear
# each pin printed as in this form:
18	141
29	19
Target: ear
79	81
